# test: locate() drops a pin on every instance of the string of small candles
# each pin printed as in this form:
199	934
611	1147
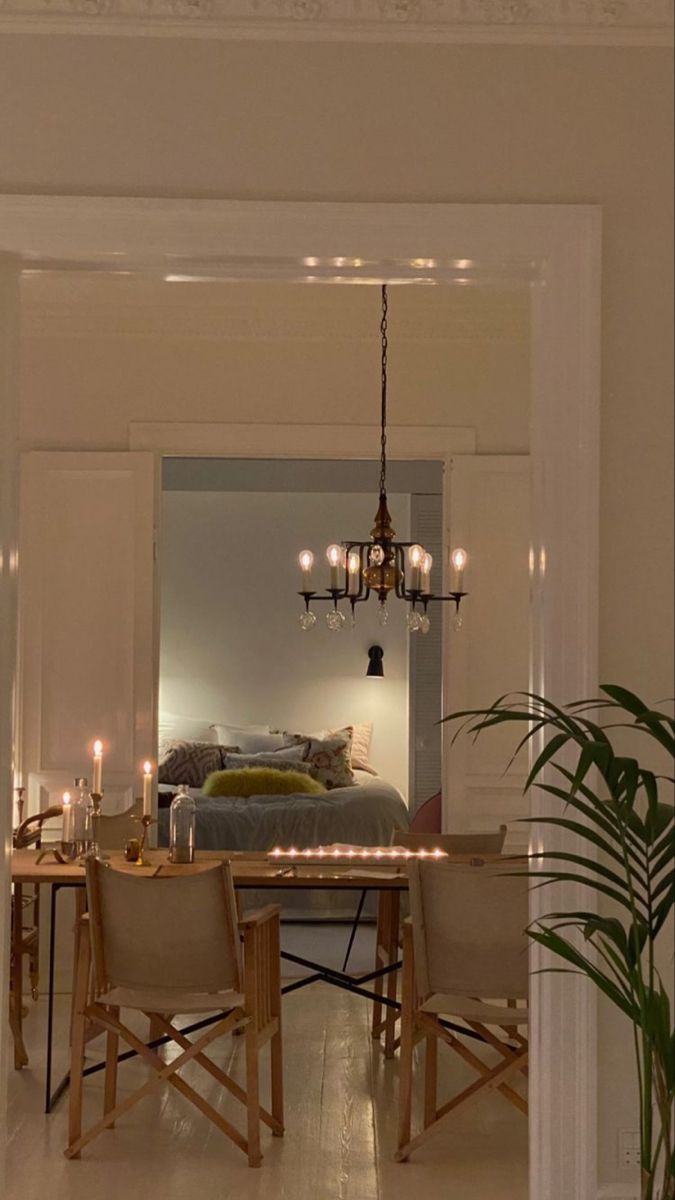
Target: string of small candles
386	853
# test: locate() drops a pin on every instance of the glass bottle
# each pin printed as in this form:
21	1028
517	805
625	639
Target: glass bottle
182	827
81	817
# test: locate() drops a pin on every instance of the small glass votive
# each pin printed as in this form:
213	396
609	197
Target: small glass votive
132	850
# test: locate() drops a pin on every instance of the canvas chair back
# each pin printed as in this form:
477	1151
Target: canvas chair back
177	932
455	843
468	930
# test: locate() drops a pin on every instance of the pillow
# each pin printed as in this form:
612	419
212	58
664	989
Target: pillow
361	739
283	760
190	762
260	781
330	758
252	739
172	728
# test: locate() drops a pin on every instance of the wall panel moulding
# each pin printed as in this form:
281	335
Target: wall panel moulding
599	22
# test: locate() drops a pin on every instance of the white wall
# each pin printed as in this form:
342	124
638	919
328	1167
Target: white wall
231	646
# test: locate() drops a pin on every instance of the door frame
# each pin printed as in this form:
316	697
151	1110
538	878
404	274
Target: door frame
556	250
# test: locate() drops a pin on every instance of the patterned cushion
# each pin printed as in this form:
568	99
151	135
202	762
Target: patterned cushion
330	758
361	739
260	781
190	762
290	760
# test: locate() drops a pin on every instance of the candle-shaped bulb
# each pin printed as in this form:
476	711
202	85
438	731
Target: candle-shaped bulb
415	557
354	563
306	560
335	556
459	559
427	563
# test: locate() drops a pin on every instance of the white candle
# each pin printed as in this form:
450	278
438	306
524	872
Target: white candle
68	828
147	789
98	768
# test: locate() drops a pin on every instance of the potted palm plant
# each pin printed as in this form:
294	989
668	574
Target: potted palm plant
622	846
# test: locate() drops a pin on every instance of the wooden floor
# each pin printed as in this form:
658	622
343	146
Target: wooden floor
341	1099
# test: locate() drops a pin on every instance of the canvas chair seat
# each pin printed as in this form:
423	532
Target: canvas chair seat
474	1010
171	1000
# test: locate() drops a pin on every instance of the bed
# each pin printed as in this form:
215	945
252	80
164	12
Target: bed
368	814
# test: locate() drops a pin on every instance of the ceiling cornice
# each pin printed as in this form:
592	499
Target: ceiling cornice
535	22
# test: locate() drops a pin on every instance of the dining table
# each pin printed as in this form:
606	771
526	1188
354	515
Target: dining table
37	868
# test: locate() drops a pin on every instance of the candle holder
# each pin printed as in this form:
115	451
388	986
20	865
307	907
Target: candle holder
96	799
20	802
146	821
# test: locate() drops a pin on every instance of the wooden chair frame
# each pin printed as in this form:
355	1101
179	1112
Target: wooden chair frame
417	1025
259	1019
25	933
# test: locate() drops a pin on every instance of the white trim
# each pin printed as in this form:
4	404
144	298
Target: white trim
220	440
564	244
535	22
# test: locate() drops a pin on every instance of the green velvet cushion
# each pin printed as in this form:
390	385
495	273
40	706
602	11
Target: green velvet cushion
260	781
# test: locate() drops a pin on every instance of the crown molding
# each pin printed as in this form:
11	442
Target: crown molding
535	22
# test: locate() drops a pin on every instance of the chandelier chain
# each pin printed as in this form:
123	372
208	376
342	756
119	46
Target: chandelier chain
383	437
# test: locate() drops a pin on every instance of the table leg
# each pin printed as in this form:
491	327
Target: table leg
382	906
391	956
16	976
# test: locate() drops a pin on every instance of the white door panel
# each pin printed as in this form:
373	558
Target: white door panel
87	612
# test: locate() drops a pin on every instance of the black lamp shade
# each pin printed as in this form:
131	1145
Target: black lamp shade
375	663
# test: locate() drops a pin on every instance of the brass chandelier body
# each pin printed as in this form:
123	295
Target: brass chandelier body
378	566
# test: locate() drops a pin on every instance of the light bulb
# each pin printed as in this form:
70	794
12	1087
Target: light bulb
306	560
334	555
459	559
415	555
354	563
427	564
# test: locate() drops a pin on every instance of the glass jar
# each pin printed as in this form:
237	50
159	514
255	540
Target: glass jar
182	827
82	831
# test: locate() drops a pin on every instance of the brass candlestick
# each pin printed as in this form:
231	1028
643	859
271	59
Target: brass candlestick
146	821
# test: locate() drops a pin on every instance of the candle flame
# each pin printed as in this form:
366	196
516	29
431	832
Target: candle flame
147	768
66	797
98	747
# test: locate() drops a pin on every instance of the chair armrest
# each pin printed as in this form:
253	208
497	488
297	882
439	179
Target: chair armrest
260	916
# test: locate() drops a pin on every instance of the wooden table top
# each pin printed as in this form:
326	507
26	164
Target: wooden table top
249	869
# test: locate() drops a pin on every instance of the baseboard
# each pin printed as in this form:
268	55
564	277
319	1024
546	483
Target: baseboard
619	1191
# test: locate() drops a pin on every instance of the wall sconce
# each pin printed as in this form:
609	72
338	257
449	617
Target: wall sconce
375	663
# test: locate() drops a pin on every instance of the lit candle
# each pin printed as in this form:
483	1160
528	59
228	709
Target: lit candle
147	789
68	828
459	560
98	768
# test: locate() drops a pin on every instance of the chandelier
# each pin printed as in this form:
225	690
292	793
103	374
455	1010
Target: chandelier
381	566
